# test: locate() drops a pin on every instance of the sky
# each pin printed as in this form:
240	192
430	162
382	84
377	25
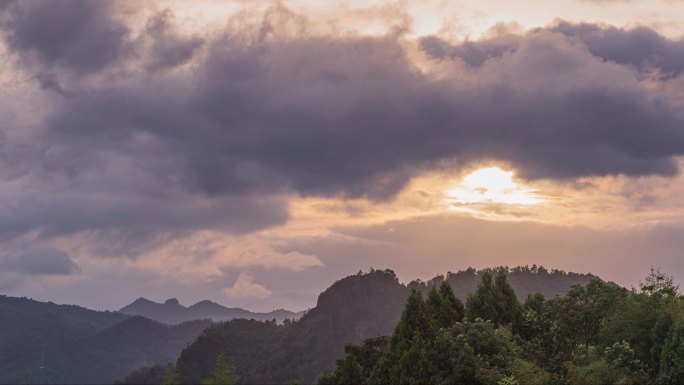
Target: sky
253	152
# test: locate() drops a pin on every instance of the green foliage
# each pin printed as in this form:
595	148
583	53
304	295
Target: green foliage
443	306
598	334
223	374
588	366
171	376
672	358
494	300
355	367
658	282
428	347
527	372
508	380
405	359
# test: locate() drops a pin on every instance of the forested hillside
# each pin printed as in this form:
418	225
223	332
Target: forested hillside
525	280
48	343
353	309
599	333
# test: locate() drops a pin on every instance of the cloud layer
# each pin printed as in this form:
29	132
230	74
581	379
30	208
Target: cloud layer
123	131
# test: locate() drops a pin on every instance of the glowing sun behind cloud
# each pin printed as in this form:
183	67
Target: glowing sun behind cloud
492	185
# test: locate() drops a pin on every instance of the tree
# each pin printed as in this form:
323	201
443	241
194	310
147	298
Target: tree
481	304
494	300
474	353
222	374
405	359
659	335
634	321
671	370
356	366
508	304
171	375
658	282
443	306
584	308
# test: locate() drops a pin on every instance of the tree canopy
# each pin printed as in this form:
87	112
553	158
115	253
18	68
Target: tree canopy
598	333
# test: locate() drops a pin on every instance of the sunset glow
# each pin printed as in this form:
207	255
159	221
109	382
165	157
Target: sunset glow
492	185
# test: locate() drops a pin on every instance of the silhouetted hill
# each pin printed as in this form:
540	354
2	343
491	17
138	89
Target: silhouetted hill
172	312
48	343
525	280
351	310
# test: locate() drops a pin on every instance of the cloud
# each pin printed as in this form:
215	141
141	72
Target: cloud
39	261
353	116
173	134
121	225
79	36
168	48
641	47
245	288
250	252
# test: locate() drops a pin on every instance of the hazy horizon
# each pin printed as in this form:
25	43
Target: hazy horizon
253	152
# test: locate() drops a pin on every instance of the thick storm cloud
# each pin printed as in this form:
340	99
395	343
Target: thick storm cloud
194	132
354	116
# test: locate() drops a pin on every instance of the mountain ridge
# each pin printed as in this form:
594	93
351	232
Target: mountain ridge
47	343
171	312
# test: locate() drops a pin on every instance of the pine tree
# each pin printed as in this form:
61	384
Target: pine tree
406	360
454	310
443	306
222	374
509	308
494	300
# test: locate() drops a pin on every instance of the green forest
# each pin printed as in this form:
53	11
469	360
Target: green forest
598	333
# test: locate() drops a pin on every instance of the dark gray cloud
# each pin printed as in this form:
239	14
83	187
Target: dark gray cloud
74	35
353	116
257	113
39	261
641	47
473	53
129	226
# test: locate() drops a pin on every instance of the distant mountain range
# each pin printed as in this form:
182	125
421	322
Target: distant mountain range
45	343
172	312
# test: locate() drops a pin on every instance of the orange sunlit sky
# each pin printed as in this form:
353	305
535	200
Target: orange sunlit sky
253	152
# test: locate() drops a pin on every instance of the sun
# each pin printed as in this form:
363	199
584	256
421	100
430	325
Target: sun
492	185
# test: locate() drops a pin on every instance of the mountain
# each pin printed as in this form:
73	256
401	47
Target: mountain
353	309
172	312
47	343
350	310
